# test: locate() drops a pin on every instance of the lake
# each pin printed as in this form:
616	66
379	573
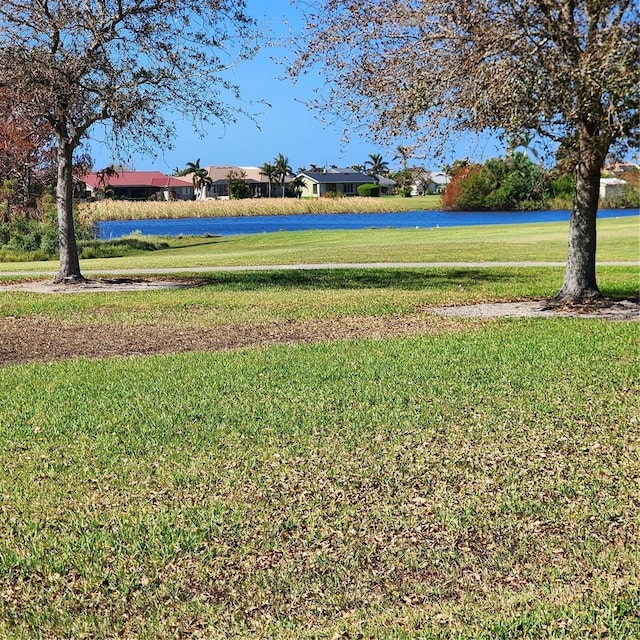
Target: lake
109	230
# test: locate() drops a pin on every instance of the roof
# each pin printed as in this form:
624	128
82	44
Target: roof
219	174
334	177
138	179
437	177
383	181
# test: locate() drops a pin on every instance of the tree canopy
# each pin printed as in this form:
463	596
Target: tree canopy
428	70
126	64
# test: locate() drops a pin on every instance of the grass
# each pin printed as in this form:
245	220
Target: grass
127	210
476	484
618	239
268	296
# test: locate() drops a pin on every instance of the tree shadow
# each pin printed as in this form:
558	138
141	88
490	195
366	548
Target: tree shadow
404	279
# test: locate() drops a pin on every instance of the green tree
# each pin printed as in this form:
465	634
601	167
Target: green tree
296	186
123	63
237	184
200	178
564	70
281	171
268	170
375	166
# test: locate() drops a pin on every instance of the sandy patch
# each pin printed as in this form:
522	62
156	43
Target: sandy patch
111	285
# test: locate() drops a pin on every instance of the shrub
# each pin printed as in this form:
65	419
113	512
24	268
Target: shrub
50	241
511	183
131	245
369	190
5	233
452	194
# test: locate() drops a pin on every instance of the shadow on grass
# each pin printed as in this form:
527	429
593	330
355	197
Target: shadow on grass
406	279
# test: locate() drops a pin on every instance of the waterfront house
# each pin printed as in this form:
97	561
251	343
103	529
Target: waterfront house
138	185
341	182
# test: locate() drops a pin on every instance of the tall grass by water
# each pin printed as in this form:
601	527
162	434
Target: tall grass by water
131	210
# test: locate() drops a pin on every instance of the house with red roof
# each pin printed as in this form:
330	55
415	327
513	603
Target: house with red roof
138	185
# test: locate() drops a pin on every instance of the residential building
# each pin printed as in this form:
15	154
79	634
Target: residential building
342	182
257	182
426	182
139	185
612	189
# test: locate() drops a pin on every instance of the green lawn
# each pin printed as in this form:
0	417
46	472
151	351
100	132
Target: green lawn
477	482
618	239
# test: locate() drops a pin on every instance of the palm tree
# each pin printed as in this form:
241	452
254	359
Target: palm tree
524	140
376	166
104	175
268	170
201	179
403	153
282	170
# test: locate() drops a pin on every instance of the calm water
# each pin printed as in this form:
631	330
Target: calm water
267	224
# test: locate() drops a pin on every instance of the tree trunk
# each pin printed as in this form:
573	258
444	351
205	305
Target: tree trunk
580	276
69	262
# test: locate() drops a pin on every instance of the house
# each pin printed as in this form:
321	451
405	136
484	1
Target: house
139	185
612	189
620	168
342	182
426	182
387	185
257	182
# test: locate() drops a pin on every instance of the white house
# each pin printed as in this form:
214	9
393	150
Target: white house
612	188
429	182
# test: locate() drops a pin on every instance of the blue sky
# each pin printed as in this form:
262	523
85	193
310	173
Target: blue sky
286	127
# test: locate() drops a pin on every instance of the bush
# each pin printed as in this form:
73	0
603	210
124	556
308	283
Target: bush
38	238
5	233
369	190
510	184
452	196
129	246
50	241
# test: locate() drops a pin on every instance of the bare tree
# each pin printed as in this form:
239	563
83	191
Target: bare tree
565	70
124	63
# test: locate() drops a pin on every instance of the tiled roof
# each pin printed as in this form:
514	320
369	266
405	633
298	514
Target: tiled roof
218	174
139	179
